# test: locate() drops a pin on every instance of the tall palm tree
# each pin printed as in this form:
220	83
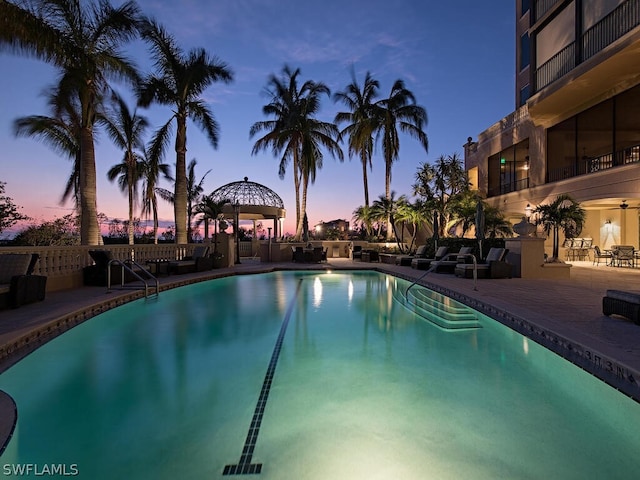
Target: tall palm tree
61	132
295	133
179	83
126	129
361	120
82	40
153	168
398	111
194	190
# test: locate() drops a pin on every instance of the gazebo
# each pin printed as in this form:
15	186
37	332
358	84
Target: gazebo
251	201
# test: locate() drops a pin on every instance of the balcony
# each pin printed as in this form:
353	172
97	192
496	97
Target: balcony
587	165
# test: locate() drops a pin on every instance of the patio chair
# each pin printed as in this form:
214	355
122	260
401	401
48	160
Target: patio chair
493	266
424	263
405	260
449	262
624	255
599	254
199	261
356	253
18	285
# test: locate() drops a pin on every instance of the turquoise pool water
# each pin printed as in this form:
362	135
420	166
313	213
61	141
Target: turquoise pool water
361	389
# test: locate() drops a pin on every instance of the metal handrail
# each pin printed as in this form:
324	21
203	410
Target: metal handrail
431	269
127	268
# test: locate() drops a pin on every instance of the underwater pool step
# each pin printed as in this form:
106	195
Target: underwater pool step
438	309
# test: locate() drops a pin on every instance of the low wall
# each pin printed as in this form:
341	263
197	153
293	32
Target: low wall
63	265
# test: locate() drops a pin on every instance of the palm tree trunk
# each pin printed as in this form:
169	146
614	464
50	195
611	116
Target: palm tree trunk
365	180
154	206
303	206
387	193
180	192
130	228
89	231
296	183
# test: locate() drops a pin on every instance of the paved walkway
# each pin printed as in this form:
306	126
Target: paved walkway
563	315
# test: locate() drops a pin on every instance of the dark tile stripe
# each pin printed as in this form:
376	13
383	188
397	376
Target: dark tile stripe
244	465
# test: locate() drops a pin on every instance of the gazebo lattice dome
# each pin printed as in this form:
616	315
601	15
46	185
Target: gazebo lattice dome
248	193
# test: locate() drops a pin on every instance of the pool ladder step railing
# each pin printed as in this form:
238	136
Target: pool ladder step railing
137	271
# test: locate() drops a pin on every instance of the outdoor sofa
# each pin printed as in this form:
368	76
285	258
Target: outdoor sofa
405	260
18	285
449	262
198	262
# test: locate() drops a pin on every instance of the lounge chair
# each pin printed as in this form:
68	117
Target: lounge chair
424	263
405	260
18	285
623	303
448	263
493	266
198	262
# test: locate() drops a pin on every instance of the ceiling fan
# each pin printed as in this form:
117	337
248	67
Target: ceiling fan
623	206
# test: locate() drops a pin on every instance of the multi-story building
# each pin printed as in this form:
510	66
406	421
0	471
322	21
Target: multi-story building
576	127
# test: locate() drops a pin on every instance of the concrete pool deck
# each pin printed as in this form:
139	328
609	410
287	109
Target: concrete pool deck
562	315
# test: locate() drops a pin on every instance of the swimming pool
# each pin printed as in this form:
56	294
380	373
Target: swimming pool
357	386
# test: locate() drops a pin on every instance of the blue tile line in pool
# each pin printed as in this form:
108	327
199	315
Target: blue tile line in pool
244	465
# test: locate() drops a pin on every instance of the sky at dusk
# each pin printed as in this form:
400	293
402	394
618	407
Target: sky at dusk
457	57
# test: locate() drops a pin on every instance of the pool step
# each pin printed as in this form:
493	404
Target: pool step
443	311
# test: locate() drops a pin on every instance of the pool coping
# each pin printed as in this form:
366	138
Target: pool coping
607	369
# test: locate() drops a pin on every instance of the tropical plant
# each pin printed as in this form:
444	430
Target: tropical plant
179	83
194	190
440	185
362	214
361	122
61	132
295	134
410	216
82	40
398	111
126	129
9	211
152	169
211	210
563	213
463	209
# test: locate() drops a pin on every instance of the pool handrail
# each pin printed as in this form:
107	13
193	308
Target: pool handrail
431	269
125	267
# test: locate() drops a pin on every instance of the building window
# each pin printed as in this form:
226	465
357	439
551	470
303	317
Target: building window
509	170
525	5
525	93
525	51
585	143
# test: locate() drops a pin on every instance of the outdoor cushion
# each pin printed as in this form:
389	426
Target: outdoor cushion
12	264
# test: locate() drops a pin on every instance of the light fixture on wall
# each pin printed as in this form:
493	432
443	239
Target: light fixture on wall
527	211
526	162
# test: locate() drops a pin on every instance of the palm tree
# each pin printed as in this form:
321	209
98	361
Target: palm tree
194	190
362	214
82	39
384	210
441	185
62	132
211	210
362	122
565	214
152	169
411	216
398	111
179	83
295	134
126	130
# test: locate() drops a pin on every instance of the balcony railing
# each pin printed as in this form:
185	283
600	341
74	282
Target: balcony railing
612	27
595	164
509	187
540	7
